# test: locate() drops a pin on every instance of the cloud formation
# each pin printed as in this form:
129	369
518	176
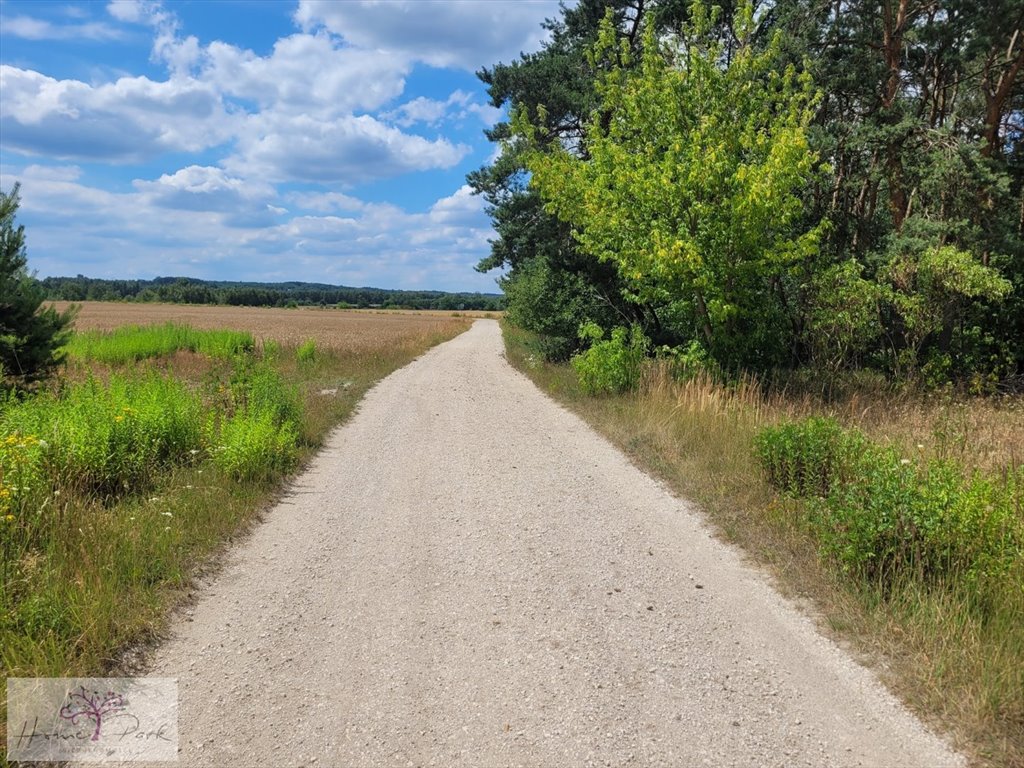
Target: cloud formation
204	222
252	164
31	28
467	34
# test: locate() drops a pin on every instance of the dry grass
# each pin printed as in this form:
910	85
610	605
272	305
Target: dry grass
963	675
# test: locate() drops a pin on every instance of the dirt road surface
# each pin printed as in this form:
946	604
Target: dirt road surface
469	575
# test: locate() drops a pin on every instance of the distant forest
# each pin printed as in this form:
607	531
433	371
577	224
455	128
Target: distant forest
185	290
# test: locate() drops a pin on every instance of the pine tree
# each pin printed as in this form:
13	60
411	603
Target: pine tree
31	335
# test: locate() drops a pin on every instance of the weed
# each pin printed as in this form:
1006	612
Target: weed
132	343
307	352
612	365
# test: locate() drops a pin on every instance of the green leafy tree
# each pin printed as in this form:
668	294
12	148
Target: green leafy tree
688	180
930	294
31	335
920	121
552	285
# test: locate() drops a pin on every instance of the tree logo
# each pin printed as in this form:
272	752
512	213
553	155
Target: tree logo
85	706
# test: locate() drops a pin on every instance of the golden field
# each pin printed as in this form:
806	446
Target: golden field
344	330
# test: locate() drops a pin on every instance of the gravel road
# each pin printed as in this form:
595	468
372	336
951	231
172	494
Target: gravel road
469	575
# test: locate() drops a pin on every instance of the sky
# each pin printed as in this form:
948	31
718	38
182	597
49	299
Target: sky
319	140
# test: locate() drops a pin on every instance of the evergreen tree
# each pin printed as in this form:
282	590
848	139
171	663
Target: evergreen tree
31	335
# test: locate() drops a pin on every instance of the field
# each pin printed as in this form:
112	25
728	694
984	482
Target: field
166	432
943	625
341	329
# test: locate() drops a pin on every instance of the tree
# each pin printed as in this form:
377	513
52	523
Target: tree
31	335
545	267
689	180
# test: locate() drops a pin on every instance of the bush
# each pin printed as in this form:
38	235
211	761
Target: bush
256	388
255	446
805	458
885	518
306	352
109	438
612	365
260	439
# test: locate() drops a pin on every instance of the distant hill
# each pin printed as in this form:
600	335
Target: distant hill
188	290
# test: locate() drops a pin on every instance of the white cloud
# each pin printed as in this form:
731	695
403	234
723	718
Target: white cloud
348	149
79	228
467	34
74	12
345	79
180	54
433	113
31	28
323	108
130	11
130	119
326	202
202	188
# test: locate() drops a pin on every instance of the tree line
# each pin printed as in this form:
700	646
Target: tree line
182	290
775	185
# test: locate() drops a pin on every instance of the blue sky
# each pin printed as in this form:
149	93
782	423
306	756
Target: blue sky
325	141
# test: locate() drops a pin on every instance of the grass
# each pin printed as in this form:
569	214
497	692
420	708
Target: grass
959	667
132	343
122	479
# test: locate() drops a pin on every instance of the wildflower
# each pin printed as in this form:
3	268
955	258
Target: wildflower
119	418
904	461
9	518
167	514
920	447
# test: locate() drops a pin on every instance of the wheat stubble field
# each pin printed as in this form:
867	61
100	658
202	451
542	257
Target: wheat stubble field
345	330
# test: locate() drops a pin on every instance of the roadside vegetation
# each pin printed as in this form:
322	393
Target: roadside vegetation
874	505
153	446
776	253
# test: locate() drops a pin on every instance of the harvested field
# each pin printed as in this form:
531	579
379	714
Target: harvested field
340	329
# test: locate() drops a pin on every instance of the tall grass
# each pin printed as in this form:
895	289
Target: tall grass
931	484
116	485
132	343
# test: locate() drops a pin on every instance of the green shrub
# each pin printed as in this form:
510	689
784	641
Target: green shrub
306	352
107	438
612	365
804	458
255	446
31	332
260	439
257	388
885	518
